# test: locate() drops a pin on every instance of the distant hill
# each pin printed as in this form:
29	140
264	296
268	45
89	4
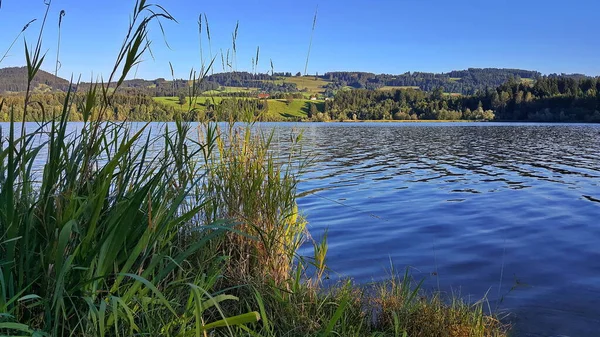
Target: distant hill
15	80
459	81
465	82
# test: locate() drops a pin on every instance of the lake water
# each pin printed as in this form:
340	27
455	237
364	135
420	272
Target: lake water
489	207
507	210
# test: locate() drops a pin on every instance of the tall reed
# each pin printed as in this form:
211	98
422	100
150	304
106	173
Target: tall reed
254	186
99	241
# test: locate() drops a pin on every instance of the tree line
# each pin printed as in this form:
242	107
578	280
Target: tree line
44	107
135	107
549	99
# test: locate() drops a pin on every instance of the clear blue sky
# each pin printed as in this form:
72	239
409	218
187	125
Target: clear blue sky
385	36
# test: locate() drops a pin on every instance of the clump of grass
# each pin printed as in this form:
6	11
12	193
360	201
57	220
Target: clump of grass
251	185
394	307
398	303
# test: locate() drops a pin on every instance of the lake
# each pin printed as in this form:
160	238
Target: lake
507	211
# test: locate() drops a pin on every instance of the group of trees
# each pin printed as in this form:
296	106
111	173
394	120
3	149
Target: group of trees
550	98
161	87
137	107
405	104
264	82
287	96
123	107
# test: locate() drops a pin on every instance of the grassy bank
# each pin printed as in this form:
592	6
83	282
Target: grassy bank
107	230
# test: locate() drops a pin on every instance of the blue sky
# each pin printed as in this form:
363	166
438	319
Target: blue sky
384	36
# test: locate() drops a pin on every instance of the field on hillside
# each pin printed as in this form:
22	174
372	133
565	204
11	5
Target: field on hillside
174	102
294	109
313	86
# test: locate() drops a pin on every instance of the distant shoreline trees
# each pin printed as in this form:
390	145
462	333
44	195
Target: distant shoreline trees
549	99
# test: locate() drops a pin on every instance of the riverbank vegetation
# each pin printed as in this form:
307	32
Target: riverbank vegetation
113	229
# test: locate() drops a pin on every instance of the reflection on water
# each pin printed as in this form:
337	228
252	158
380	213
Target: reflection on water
511	211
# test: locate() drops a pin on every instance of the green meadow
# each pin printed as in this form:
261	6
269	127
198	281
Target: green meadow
199	102
296	108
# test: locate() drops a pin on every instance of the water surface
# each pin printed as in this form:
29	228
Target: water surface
507	210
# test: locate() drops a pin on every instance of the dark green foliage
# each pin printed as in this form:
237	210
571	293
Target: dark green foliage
550	98
236	109
312	110
264	82
406	104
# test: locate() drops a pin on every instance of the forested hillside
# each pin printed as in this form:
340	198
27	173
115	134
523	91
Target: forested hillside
461	81
15	80
465	82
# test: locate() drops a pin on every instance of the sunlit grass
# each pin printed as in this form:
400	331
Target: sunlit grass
279	109
174	103
294	108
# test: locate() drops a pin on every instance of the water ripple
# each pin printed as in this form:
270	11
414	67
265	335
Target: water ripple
467	201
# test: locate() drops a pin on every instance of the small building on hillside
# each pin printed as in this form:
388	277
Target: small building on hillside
313	98
263	96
